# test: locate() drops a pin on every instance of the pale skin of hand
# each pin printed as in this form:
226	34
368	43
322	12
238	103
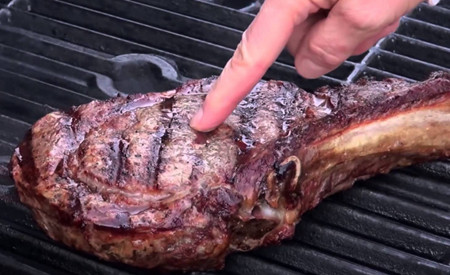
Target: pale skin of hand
318	42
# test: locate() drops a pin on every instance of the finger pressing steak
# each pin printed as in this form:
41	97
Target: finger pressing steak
128	180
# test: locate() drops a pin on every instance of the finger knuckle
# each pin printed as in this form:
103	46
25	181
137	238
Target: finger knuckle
246	58
361	21
325	55
324	4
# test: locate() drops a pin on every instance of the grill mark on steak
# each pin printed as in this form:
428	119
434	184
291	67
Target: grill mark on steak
144	139
241	186
119	149
177	160
133	168
166	107
100	156
163	135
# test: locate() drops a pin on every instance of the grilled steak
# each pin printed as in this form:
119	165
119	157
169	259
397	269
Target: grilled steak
128	180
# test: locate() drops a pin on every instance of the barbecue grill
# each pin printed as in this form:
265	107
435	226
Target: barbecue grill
55	54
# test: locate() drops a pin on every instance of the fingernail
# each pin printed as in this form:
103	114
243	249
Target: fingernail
309	69
198	123
433	2
196	119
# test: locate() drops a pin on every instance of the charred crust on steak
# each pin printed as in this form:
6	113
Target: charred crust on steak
128	180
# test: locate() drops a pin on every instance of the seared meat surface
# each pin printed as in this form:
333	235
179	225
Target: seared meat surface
128	180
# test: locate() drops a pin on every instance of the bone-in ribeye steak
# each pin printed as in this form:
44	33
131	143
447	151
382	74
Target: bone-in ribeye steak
128	180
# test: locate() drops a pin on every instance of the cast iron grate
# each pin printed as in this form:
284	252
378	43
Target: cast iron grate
54	54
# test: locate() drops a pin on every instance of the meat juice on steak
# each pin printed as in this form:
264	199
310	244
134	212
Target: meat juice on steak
128	180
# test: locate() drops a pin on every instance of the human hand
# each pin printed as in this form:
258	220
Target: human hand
320	34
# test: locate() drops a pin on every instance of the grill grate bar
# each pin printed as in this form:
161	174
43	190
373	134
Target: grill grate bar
417	49
106	43
73	74
68	58
25	65
403	65
301	256
16	128
167	20
434	15
112	45
429	219
13	264
6	147
22	109
47	94
424	31
248	264
419	178
383	230
365	251
438	171
206	11
406	191
65	78
131	30
444	4
51	48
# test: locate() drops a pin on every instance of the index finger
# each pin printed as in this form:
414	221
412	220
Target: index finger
260	46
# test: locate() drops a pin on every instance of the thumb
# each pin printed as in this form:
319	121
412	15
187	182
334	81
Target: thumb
348	28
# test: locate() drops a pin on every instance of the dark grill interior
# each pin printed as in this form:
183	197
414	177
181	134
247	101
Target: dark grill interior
54	54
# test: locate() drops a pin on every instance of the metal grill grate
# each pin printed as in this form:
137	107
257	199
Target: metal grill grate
55	54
